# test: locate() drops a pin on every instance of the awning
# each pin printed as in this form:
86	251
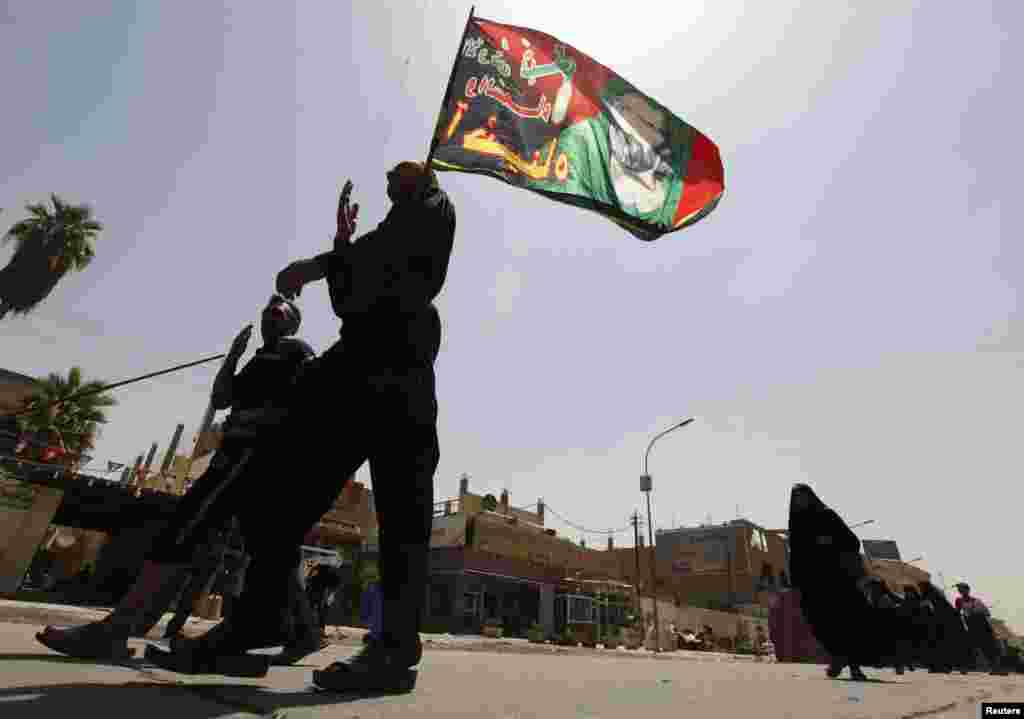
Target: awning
519	580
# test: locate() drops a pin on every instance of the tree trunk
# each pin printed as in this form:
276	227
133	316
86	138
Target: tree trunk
27	279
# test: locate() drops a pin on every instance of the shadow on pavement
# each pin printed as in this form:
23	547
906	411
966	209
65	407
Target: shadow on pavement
60	658
157	700
152	700
265	700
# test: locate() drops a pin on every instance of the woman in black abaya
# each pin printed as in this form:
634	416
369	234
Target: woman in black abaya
827	568
948	642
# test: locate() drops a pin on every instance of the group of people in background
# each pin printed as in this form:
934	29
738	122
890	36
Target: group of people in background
861	622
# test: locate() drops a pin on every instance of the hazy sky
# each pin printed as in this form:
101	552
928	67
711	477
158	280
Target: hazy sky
848	317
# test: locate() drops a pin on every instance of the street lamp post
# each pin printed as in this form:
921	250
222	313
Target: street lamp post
645	487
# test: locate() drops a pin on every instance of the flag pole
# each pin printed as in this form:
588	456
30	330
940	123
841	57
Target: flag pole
448	91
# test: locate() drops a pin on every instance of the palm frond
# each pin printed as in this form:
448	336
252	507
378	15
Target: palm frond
76	419
48	245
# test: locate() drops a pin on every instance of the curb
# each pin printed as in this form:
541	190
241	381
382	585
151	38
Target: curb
59	614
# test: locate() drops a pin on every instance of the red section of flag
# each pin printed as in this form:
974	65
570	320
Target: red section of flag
588	81
705	178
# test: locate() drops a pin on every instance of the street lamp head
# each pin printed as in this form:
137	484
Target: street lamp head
645	483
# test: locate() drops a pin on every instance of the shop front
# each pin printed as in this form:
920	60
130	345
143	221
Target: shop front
469	589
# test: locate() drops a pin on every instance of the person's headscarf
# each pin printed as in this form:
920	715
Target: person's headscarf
812	560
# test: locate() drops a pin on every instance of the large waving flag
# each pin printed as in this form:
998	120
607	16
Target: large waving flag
536	113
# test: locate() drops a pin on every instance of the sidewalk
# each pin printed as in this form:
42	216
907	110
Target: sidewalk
38	684
39	614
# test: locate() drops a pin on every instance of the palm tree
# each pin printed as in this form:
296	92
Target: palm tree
47	246
73	423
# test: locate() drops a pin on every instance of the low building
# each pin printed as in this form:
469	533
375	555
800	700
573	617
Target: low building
726	565
896	573
492	561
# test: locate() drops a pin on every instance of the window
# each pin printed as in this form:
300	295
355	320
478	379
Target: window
714	552
580	609
471	605
440	603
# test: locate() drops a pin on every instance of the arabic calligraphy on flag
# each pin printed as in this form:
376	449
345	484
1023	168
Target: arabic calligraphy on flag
536	113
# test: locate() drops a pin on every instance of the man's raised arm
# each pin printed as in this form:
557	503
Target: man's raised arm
222	395
295	276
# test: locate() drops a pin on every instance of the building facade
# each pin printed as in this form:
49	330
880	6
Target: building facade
727	565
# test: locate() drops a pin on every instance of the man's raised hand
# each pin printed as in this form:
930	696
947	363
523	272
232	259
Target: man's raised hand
346	216
240	342
290	281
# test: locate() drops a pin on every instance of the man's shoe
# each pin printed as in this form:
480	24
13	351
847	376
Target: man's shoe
298	651
999	673
251	666
379	666
857	675
222	650
98	641
834	670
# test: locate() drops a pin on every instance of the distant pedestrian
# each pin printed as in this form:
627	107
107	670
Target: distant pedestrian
979	628
370	611
322	587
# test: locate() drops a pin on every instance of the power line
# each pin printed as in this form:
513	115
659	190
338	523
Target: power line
86	393
579	528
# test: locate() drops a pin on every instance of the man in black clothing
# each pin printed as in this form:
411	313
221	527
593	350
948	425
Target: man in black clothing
947	639
321	588
382	287
255	396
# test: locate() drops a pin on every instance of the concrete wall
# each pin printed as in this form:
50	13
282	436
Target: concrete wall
724	624
26	511
86	547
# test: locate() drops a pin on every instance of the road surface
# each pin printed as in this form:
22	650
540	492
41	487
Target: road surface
38	684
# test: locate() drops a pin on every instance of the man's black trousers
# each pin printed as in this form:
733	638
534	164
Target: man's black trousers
343	417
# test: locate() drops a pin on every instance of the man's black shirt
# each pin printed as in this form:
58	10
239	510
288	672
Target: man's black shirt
383	286
267	378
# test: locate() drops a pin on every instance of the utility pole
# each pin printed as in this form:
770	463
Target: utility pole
635	521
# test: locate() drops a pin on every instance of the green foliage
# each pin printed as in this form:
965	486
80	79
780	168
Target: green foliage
744	646
47	245
75	420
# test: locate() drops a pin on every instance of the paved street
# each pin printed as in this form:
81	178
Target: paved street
38	684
